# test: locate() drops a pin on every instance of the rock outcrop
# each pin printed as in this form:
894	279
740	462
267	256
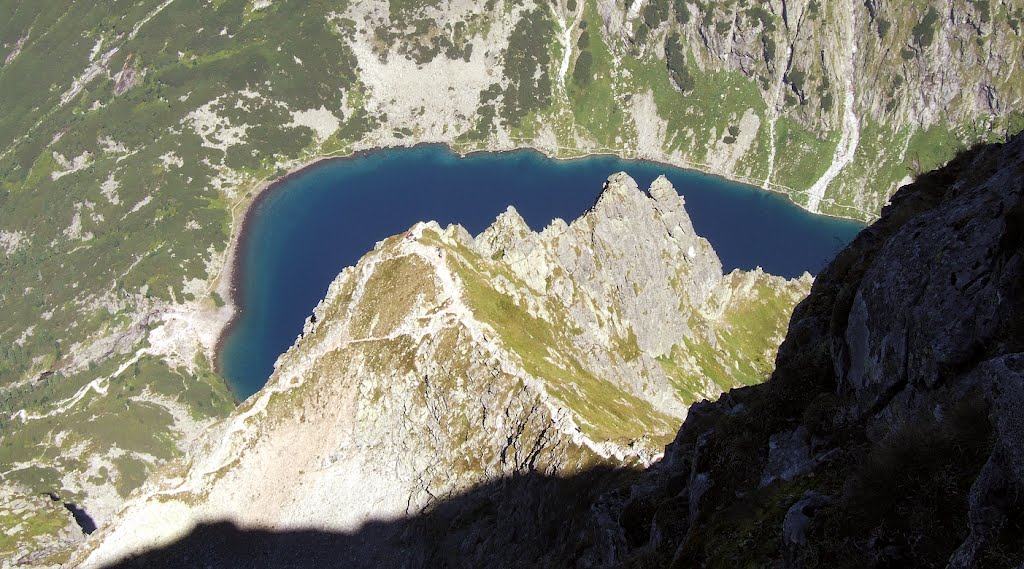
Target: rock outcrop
443	362
36	530
117	223
890	433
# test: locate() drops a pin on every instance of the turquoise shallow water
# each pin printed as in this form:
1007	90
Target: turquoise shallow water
305	230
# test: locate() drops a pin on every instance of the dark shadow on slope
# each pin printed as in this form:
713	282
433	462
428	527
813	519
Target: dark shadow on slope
852	486
82	518
530	520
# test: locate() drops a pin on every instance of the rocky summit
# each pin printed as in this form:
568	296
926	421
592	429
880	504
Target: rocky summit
442	362
889	434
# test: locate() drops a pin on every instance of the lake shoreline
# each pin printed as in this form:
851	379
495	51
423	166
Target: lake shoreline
230	284
229	281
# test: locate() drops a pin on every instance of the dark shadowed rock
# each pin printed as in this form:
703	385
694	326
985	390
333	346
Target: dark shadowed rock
891	430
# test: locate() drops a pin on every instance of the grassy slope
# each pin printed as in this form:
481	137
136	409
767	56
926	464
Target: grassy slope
167	219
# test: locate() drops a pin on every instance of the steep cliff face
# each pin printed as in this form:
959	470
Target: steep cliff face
123	123
953	60
441	362
859	95
890	433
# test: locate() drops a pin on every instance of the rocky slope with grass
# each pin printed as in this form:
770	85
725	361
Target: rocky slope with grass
858	96
133	135
889	435
442	361
890	432
36	529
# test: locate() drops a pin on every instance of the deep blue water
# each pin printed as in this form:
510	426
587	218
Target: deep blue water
316	223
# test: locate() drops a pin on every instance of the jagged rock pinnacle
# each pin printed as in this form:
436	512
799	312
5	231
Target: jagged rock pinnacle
441	361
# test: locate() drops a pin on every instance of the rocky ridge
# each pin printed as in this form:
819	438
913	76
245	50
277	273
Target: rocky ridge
888	435
890	431
442	361
127	160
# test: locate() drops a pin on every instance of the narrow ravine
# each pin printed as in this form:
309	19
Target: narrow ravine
567	56
82	518
850	137
567	29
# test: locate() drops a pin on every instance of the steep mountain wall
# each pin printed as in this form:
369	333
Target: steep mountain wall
441	362
889	433
845	98
133	135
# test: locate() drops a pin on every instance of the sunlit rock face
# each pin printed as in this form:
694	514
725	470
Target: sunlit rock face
116	222
890	431
441	362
